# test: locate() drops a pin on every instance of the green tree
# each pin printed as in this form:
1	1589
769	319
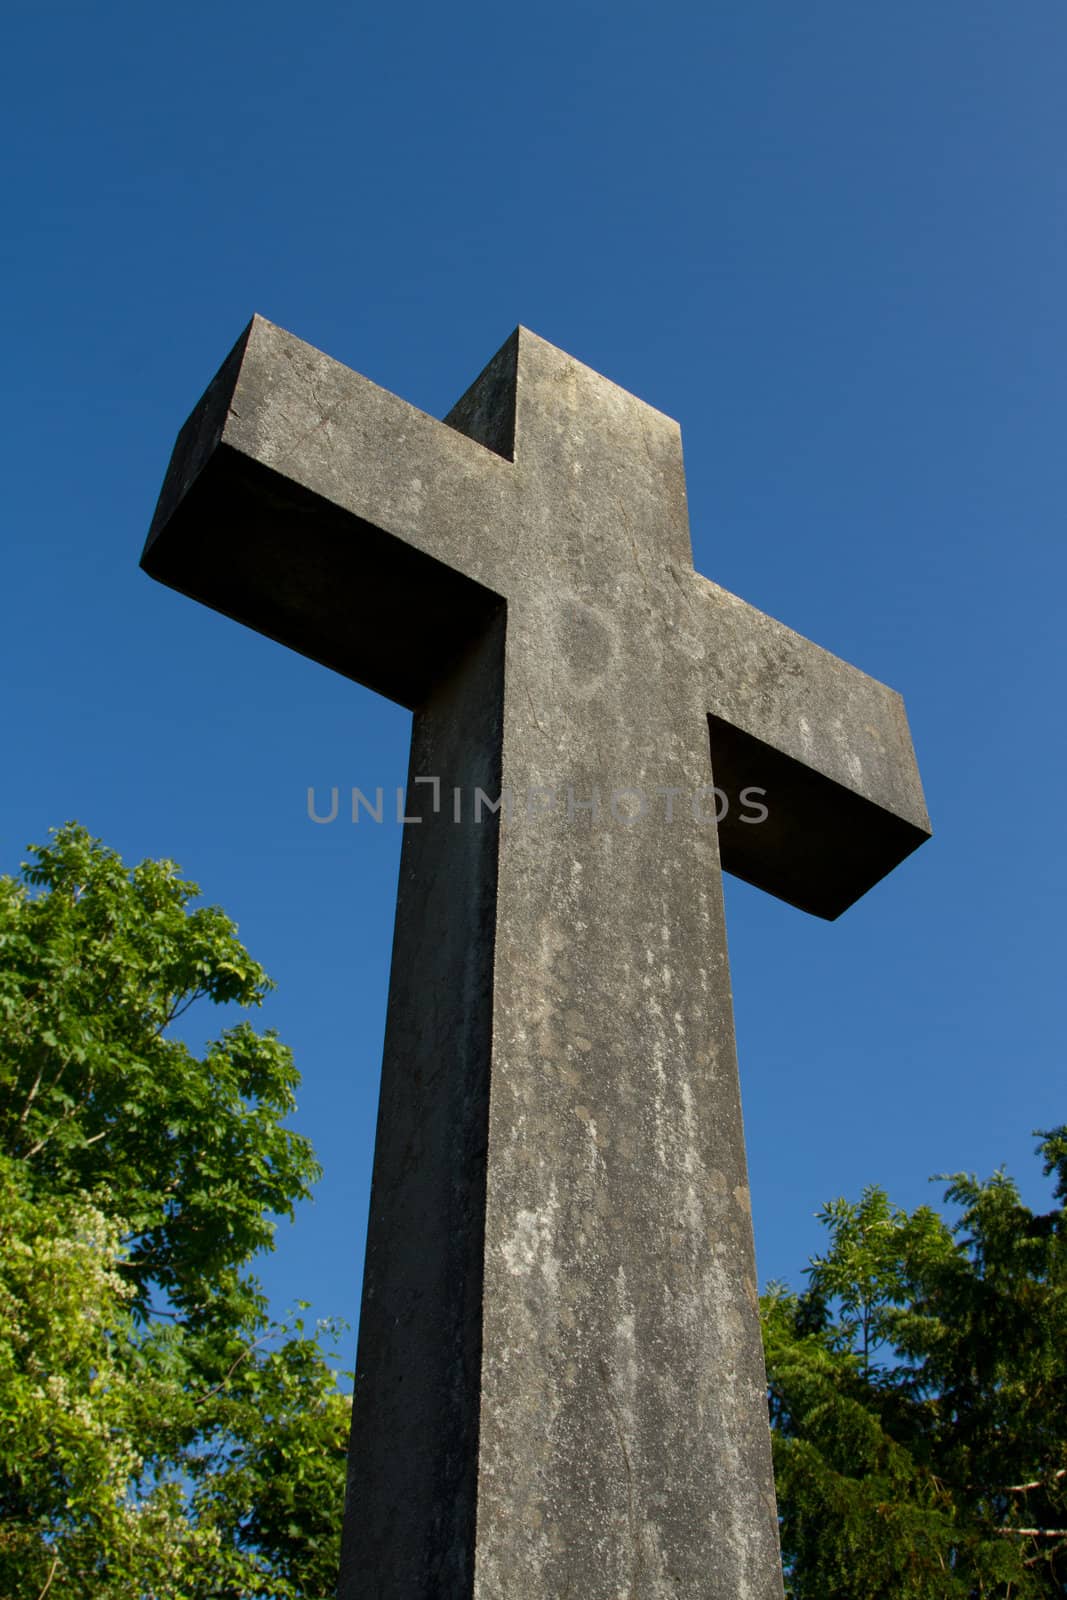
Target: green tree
159	1435
919	1398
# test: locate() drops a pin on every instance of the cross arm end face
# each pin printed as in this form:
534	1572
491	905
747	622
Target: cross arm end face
200	437
830	747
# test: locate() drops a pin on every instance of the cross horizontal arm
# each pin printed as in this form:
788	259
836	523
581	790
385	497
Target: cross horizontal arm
329	514
828	744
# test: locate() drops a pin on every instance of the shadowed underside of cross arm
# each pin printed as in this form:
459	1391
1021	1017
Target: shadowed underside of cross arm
330	515
828	744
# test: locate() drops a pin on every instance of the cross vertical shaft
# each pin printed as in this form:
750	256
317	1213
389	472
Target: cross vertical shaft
596	1331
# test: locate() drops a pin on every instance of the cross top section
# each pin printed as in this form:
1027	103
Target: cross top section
326	512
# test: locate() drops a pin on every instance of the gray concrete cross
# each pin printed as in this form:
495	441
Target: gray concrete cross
560	1383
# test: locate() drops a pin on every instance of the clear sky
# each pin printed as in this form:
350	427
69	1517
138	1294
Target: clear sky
830	238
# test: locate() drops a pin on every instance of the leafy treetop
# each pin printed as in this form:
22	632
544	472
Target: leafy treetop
160	1436
919	1398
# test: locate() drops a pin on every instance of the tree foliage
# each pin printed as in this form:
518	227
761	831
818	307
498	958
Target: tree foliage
919	1398
159	1436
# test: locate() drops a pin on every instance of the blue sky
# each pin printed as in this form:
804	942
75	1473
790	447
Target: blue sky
831	239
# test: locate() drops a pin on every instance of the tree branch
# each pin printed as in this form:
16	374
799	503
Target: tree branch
244	1355
1038	1483
51	1575
178	1009
1033	1533
31	1097
43	1140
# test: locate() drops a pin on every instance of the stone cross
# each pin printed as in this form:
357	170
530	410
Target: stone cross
560	1390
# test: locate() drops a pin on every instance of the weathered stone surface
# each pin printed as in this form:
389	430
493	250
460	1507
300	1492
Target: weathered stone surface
560	1382
830	745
